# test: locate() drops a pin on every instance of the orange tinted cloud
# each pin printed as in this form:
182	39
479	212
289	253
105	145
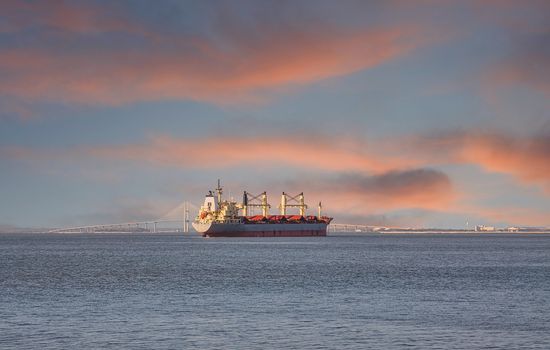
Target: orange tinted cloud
360	194
240	67
525	158
312	152
308	152
354	192
363	182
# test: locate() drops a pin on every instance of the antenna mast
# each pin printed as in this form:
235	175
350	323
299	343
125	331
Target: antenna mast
219	191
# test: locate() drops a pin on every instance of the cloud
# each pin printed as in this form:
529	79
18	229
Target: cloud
525	158
361	194
350	177
83	66
347	175
365	179
312	152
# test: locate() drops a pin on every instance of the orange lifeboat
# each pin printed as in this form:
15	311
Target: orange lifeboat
257	218
296	218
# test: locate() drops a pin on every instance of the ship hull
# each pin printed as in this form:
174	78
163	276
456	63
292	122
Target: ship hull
261	230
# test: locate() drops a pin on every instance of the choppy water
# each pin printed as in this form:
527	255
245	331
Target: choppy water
376	291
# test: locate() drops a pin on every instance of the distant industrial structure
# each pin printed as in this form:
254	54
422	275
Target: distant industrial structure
483	228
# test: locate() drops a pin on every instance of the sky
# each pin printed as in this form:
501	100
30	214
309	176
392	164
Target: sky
399	113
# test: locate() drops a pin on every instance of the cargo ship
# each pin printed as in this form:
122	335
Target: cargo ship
227	218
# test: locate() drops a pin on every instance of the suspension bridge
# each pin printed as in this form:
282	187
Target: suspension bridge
178	220
175	220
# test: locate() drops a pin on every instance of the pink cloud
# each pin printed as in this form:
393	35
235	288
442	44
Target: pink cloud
386	188
184	66
358	180
360	194
314	152
525	158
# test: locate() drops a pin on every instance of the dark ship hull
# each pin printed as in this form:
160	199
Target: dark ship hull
262	229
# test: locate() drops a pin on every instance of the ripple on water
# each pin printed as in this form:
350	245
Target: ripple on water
354	292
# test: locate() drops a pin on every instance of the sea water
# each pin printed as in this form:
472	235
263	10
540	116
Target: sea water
384	291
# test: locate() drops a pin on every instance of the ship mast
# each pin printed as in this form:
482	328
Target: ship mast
219	191
252	201
265	206
245	203
283	204
288	201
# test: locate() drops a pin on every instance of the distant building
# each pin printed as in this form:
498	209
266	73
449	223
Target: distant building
483	228
512	229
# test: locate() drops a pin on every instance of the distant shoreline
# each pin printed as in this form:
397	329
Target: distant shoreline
450	232
342	233
446	231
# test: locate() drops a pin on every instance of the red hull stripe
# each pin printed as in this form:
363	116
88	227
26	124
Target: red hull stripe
301	233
